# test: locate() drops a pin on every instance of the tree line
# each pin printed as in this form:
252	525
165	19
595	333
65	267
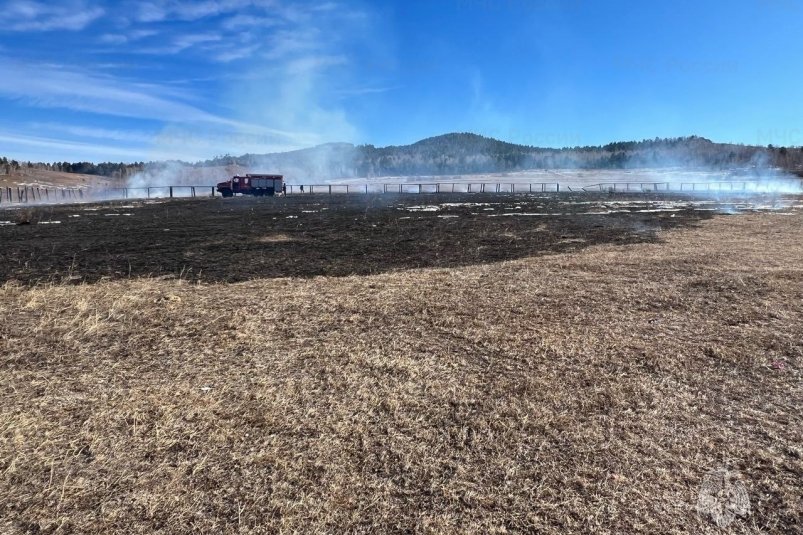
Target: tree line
105	169
467	153
464	153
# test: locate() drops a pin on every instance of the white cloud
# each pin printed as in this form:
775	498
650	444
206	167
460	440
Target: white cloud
114	39
127	37
27	15
48	149
148	12
54	87
71	143
235	53
183	42
242	21
160	10
279	89
291	42
360	91
91	132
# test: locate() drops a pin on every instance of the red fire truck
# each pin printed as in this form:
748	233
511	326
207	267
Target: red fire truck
257	185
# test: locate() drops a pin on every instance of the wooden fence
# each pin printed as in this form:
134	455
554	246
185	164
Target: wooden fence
421	188
735	186
32	194
40	194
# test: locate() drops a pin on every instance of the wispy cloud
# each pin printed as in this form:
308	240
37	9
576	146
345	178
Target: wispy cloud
161	10
58	87
182	42
57	142
361	91
245	89
26	15
96	133
127	36
52	87
242	22
53	149
236	52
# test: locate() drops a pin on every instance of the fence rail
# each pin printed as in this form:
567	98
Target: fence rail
36	194
31	194
735	186
28	194
433	187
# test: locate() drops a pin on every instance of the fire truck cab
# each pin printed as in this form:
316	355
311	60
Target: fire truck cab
257	185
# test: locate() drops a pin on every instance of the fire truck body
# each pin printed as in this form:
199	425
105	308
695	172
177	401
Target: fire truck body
257	185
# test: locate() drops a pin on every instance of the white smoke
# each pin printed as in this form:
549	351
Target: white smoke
283	90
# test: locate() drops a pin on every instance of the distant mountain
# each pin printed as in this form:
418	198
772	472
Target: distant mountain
453	154
466	153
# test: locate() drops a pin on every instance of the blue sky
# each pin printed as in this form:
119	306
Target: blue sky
164	79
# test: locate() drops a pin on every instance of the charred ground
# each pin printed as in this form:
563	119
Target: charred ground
306	236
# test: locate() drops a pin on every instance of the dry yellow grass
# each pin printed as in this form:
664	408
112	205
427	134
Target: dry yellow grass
54	179
581	392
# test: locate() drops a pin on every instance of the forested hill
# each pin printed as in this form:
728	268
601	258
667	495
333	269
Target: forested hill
468	153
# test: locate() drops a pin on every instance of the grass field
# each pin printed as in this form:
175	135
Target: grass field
417	364
54	179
